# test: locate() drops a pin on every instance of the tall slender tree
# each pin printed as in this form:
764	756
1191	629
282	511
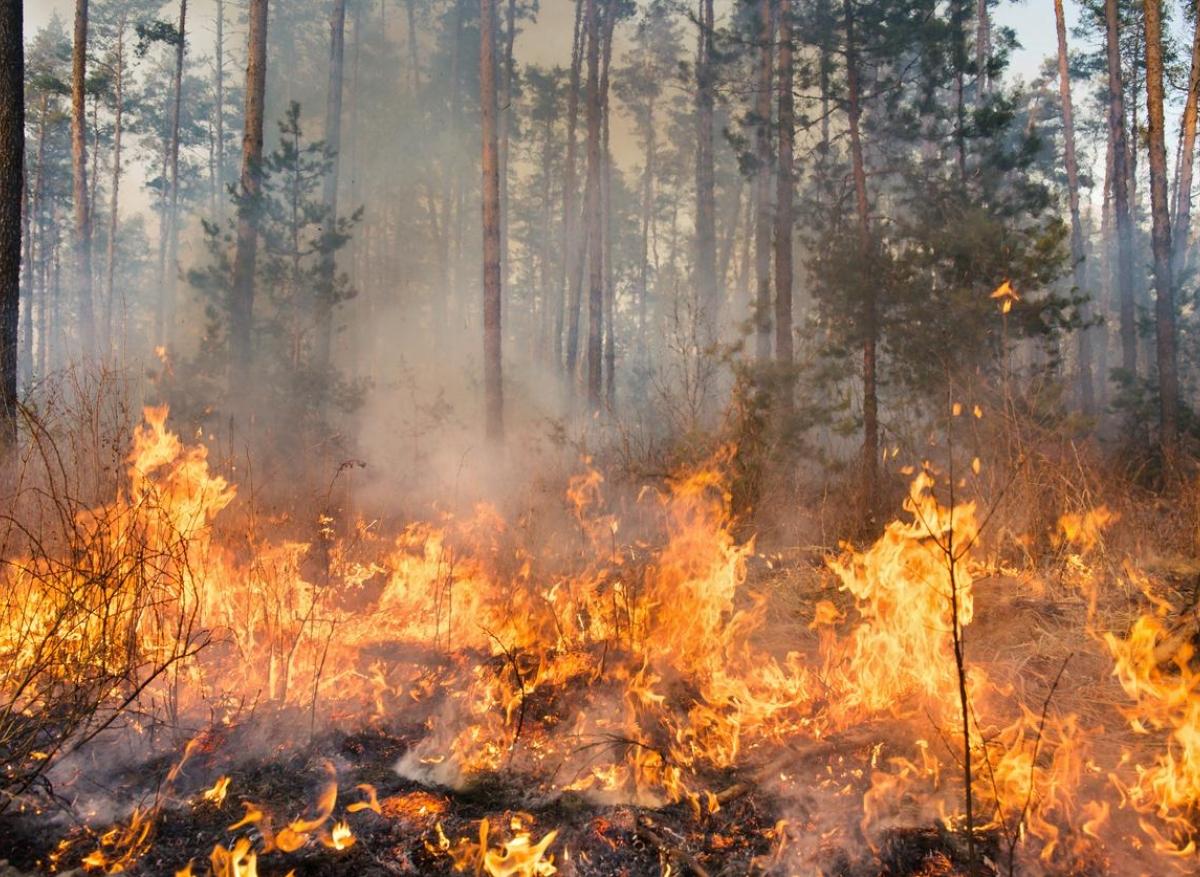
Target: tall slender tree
762	229
492	377
783	199
1086	391
869	321
593	221
83	216
1182	228
323	306
167	322
1160	239
706	233
1120	189
241	307
12	178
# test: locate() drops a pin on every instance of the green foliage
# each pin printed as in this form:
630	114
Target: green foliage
296	283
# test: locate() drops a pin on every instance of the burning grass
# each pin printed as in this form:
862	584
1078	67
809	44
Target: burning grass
612	697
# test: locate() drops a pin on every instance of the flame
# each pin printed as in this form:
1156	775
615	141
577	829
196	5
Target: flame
519	856
658	643
340	837
217	793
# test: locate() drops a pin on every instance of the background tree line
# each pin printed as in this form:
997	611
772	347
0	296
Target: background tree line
824	210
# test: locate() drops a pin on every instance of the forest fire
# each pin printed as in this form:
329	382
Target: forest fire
638	679
599	438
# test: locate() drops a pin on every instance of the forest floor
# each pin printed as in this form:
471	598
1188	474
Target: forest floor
794	809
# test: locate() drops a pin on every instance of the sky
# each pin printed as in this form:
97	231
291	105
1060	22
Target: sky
1033	20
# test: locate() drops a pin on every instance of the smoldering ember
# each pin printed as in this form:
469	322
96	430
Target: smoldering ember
599	438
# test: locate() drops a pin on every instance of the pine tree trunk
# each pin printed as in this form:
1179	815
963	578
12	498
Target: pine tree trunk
83	218
38	232
333	147
574	246
783	206
219	87
1164	301
648	171
506	112
762	232
870	323
114	209
1182	231
168	335
983	45
707	285
12	183
1086	391
414	59
449	165
493	386
241	310
606	228
1120	191
594	234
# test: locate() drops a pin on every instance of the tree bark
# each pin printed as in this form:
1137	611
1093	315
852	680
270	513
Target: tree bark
594	232
449	179
573	242
333	147
503	120
870	322
1182	230
762	232
983	45
648	171
241	310
115	195
707	284
172	219
1164	295
219	75
492	380
1120	180
610	343
1086	390
83	218
783	206
12	182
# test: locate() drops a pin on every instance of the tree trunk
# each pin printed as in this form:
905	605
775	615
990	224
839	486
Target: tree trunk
647	212
12	183
606	229
762	232
115	199
168	333
707	288
414	59
1182	231
1086	391
594	233
241	310
493	385
983	45
38	231
83	218
219	75
442	299
506	112
783	206
1164	300
333	146
573	242
1120	191
870	322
